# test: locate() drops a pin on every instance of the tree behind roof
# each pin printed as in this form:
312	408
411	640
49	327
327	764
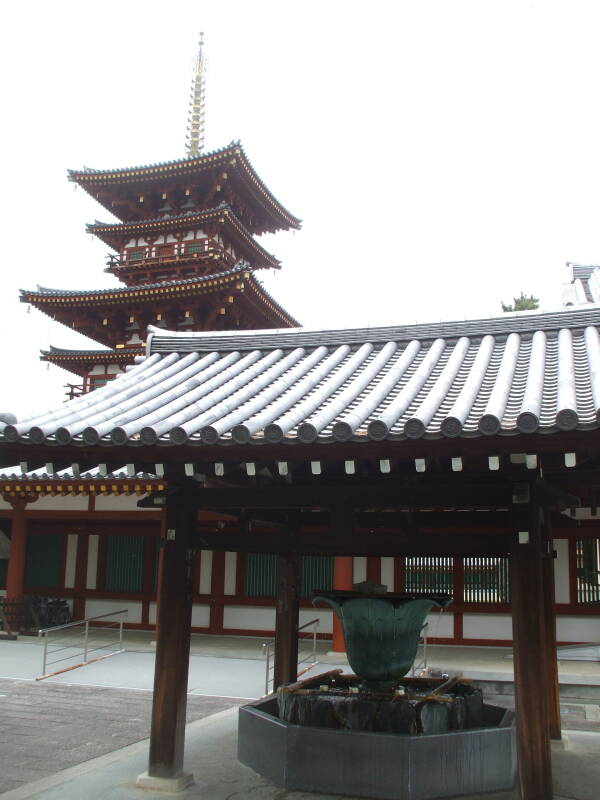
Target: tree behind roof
523	303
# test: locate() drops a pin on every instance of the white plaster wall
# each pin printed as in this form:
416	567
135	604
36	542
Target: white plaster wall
583	513
114	369
249	618
5	505
487	626
71	560
578	629
92	565
97	369
387	572
200	616
230	573
324	616
561	571
68	503
152	613
94	608
359	569
120	502
440	626
205	572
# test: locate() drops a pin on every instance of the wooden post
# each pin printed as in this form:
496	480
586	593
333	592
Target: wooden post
286	620
342	579
533	743
552	685
174	612
15	577
79	594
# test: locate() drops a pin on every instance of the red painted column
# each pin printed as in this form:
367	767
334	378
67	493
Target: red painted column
15	578
342	579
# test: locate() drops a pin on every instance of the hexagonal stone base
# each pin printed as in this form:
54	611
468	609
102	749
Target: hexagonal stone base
378	765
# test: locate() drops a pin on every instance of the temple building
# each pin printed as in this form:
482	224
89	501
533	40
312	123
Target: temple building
185	251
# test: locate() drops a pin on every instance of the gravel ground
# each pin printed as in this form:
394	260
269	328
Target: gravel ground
47	727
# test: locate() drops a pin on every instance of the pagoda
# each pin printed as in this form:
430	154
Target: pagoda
183	246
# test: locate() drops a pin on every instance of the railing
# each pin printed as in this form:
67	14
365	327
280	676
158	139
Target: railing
420	667
147	258
77	638
268	648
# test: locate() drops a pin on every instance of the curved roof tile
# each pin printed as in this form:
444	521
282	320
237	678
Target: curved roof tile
524	374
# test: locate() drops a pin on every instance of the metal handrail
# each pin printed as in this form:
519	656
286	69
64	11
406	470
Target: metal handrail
45	633
268	651
422	665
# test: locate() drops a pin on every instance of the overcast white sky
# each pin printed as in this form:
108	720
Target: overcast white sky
442	155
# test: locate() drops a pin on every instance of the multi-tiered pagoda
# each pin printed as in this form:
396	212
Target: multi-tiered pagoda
183	247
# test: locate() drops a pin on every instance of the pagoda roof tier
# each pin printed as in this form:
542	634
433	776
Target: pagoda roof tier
239	284
525	377
223	216
206	174
80	362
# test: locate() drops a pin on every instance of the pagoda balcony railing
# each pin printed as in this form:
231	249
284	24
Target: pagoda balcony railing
158	256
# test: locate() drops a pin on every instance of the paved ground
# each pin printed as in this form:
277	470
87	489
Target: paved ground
48	727
70	737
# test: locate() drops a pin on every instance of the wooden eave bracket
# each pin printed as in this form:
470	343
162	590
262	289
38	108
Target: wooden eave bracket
555	498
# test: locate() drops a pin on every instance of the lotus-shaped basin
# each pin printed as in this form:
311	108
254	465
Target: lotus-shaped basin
382	631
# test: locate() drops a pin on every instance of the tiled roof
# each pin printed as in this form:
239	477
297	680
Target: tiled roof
62	352
583	286
529	373
15	474
232	156
147	292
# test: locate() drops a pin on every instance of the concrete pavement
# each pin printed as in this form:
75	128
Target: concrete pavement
81	715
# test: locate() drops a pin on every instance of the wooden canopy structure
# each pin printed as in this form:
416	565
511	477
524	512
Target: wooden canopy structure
452	439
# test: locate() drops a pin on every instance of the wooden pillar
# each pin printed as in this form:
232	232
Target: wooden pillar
80	576
174	612
533	743
217	592
15	577
551	672
159	572
342	579
286	620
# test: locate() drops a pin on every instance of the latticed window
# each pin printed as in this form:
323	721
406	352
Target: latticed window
194	248
42	566
486	580
135	255
316	572
429	574
587	554
124	563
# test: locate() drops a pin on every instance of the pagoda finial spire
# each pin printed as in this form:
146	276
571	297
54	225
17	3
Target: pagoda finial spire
194	143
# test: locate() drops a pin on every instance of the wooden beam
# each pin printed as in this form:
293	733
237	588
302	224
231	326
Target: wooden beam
362	543
286	620
533	743
387	492
173	640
